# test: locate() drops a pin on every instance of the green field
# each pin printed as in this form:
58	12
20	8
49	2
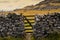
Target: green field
51	36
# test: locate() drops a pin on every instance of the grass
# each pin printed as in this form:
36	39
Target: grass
51	36
33	12
10	38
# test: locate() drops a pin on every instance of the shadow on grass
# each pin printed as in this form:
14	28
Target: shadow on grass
11	38
51	36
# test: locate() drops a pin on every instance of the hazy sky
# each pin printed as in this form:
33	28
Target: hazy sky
13	4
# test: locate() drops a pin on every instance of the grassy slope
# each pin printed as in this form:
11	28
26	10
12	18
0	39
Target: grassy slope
33	12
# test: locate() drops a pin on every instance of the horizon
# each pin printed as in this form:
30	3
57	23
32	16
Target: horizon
10	5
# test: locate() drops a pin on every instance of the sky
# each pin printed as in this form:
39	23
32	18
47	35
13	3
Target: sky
9	5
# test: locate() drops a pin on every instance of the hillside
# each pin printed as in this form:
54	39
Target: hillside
46	4
44	7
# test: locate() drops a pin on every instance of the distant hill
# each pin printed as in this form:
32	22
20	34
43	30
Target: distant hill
46	4
44	7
